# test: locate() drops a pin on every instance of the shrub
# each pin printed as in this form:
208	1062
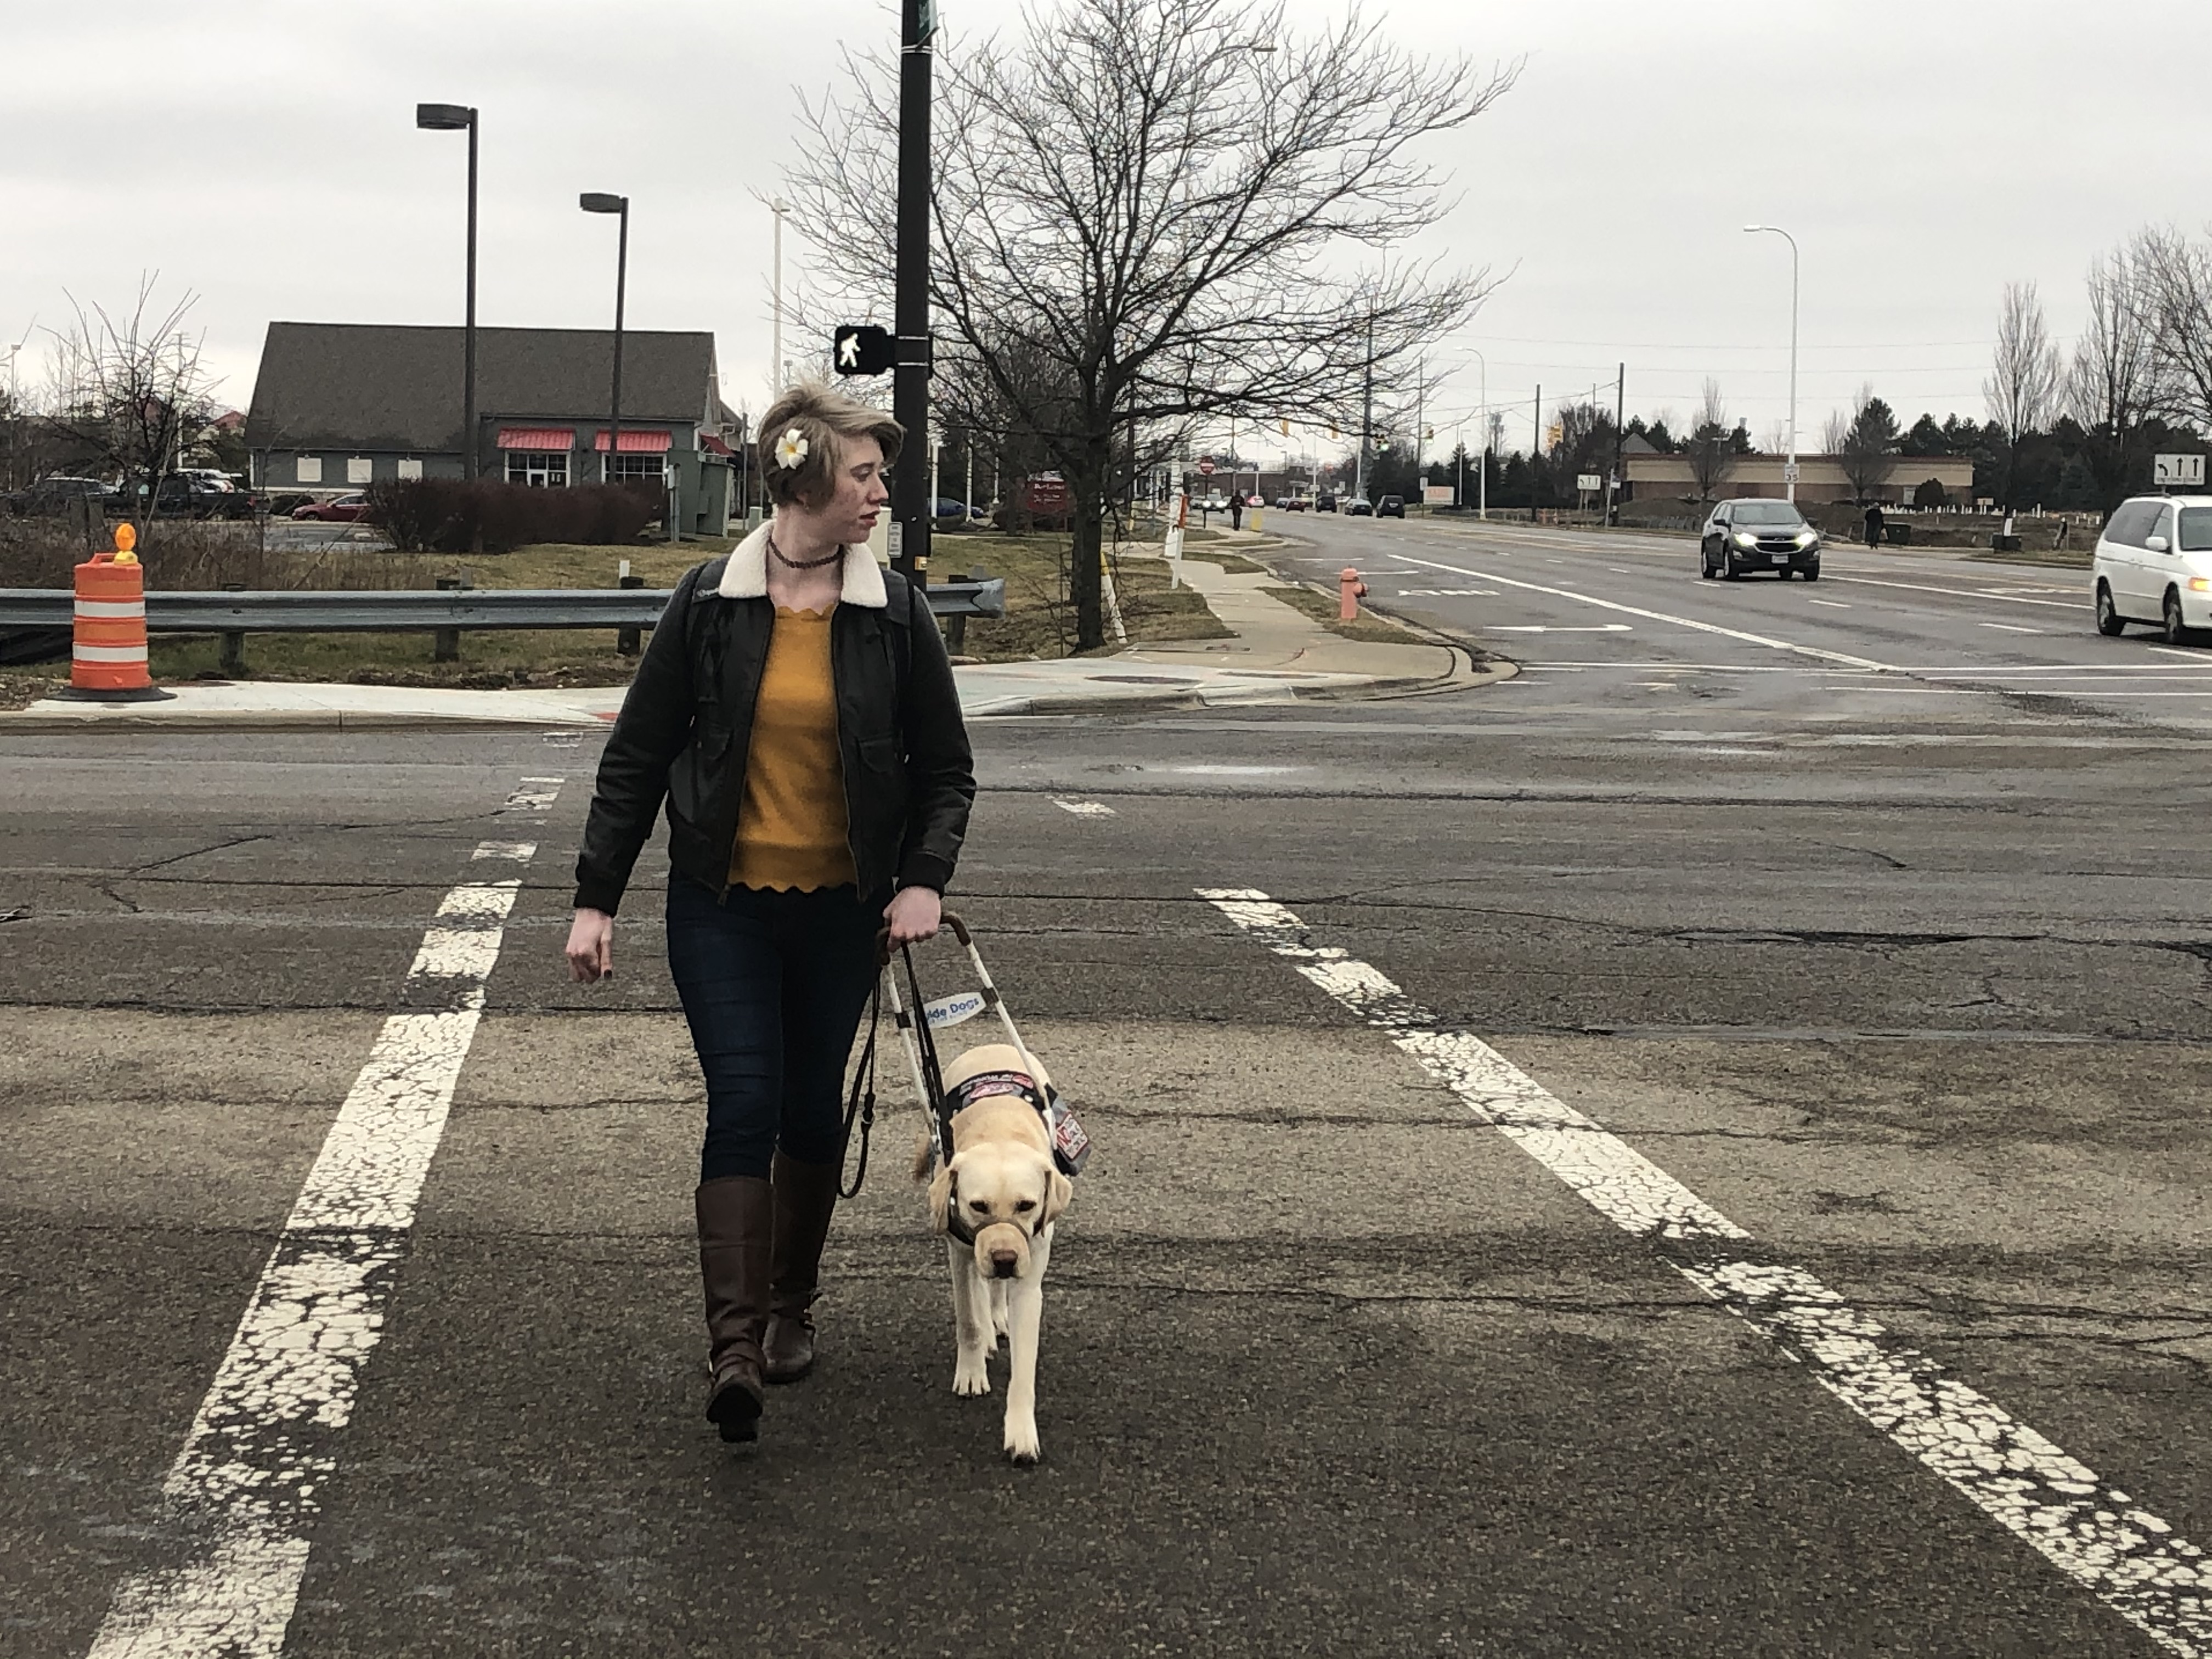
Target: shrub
456	515
1929	492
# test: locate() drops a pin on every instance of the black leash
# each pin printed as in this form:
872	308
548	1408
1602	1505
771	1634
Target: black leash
861	1103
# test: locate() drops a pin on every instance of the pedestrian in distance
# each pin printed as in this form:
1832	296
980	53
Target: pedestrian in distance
796	711
1236	509
1873	523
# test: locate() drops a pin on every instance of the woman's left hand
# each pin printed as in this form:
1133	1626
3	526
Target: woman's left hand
913	913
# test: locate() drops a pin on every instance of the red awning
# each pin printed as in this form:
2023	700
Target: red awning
562	438
714	445
635	442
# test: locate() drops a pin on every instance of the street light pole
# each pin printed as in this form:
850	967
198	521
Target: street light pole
779	208
1482	481
911	508
453	117
1790	473
595	201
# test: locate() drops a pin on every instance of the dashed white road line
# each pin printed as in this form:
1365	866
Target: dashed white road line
247	1489
2009	627
1832	604
1957	592
2129	1557
1083	808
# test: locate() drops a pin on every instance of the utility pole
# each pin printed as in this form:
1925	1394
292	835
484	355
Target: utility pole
1366	413
779	208
1420	408
1535	448
1620	413
911	507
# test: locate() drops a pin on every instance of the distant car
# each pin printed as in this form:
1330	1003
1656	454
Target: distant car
2154	564
1326	501
1359	508
342	509
1217	502
1757	533
1390	507
53	495
949	510
1297	504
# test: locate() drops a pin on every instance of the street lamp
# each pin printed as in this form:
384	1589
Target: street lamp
597	201
778	207
1482	479
455	118
1789	471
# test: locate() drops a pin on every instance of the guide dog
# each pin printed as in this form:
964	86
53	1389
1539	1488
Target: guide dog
995	1201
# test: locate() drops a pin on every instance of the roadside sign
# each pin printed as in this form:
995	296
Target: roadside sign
1440	496
1206	465
1790	472
1589	481
2178	472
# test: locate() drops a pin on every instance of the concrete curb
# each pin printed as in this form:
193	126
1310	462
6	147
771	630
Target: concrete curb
30	720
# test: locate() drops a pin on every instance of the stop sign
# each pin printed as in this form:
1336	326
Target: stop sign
1206	465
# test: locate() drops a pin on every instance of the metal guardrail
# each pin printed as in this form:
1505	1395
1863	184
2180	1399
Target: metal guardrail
470	609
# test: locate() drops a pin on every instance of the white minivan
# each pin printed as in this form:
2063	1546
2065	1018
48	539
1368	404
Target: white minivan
2154	565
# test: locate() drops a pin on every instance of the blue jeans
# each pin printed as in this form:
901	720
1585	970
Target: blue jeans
773	984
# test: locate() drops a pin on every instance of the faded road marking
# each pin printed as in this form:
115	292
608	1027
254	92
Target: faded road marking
245	1492
2129	1557
1083	808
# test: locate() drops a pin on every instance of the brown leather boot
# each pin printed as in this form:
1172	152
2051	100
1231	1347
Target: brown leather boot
736	1216
805	1195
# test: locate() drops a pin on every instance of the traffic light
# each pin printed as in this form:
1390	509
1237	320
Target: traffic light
864	349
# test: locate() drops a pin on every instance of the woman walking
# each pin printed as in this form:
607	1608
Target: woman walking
796	711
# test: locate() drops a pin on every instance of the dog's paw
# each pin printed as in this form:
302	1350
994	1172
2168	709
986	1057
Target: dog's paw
969	1378
1023	1445
999	1329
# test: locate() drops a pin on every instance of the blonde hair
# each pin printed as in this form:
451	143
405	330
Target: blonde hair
824	418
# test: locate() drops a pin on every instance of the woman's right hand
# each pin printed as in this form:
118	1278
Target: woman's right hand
592	947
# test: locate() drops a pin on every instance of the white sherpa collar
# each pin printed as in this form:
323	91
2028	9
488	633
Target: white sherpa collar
746	576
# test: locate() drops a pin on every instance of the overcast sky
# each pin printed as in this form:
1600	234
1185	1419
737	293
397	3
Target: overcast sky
262	154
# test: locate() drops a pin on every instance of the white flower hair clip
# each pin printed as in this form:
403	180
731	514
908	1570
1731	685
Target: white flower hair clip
791	448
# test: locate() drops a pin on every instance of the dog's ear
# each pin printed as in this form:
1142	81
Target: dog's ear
940	1199
1059	1193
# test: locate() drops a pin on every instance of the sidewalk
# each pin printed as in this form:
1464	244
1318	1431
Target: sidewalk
1278	655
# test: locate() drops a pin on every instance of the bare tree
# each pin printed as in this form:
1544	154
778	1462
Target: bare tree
1132	207
1709	447
2022	388
1834	430
2173	287
2111	386
126	391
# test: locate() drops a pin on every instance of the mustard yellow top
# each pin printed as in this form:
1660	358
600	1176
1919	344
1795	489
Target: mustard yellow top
791	825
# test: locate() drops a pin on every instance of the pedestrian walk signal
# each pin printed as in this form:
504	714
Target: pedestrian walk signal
864	349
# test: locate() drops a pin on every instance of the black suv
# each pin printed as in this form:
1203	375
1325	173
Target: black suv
1326	501
1757	533
1390	507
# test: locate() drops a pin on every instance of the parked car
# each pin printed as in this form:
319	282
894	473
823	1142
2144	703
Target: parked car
1326	501
58	495
2154	564
1296	503
193	495
950	511
1390	507
1359	508
1757	533
340	509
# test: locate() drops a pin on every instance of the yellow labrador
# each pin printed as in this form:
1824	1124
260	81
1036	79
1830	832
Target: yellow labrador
1002	1191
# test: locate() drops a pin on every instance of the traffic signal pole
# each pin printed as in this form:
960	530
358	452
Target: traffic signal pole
911	508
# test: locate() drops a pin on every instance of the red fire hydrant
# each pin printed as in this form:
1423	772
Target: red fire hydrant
1352	590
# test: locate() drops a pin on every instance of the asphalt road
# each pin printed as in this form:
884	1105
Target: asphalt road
1910	989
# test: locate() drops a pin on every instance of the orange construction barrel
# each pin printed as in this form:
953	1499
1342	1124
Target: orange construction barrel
107	649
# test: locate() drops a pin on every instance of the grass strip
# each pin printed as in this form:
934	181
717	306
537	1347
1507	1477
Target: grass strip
1367	627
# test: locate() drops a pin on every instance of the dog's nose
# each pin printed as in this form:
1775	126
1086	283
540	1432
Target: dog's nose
1002	1263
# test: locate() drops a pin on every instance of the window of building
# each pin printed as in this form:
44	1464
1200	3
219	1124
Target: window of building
307	469
626	468
410	467
360	469
543	469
